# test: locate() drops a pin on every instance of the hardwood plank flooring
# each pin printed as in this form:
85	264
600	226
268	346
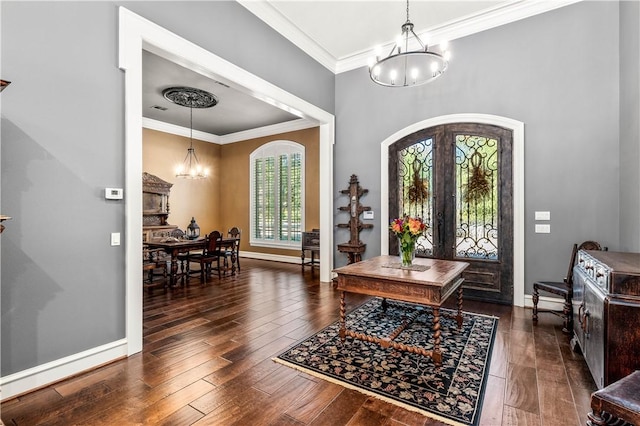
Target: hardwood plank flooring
207	361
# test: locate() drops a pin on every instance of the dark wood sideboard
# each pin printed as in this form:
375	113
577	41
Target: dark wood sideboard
155	208
606	313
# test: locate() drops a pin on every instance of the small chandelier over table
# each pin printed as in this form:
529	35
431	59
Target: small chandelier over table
192	98
403	67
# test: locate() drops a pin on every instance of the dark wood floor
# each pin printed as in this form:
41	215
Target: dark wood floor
207	360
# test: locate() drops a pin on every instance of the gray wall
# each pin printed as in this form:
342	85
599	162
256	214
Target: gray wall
62	144
630	126
539	71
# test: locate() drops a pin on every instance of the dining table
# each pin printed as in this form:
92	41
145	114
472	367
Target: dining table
174	247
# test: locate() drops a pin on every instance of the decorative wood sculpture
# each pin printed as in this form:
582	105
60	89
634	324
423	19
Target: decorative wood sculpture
354	248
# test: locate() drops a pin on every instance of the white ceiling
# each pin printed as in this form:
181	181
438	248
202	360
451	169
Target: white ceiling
341	35
235	111
345	28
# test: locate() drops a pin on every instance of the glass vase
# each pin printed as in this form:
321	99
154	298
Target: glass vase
407	252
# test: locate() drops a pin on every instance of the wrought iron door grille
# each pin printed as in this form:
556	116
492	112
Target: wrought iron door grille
476	174
415	181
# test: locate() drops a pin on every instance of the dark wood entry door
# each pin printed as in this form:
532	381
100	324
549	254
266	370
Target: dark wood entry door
458	178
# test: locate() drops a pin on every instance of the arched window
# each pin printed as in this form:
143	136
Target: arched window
277	194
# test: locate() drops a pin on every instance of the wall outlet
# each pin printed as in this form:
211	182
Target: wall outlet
543	228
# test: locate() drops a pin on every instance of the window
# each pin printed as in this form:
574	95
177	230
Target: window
277	194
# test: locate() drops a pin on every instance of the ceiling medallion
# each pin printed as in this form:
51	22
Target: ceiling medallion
190	97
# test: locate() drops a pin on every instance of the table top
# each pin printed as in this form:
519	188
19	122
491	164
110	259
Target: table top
179	243
200	242
439	272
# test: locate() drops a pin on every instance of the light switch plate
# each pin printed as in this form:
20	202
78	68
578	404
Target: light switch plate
115	238
543	228
543	215
367	215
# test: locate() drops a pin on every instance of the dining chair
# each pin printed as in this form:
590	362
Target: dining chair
210	254
234	252
562	288
183	258
152	262
310	242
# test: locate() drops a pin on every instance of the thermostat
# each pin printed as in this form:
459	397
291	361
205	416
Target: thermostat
113	193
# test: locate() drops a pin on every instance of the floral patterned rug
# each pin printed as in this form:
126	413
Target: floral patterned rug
451	393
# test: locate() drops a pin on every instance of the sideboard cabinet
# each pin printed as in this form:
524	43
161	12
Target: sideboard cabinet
155	208
606	313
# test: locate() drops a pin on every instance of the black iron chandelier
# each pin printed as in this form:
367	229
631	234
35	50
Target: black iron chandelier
191	98
404	67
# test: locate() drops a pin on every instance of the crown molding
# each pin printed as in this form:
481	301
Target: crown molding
502	14
259	132
161	126
465	26
274	129
272	17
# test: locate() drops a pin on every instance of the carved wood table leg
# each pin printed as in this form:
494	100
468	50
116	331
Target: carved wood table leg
233	262
343	323
436	355
384	305
459	316
174	269
595	419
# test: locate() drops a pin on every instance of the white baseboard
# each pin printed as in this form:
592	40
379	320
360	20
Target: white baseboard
273	257
51	372
550	303
54	371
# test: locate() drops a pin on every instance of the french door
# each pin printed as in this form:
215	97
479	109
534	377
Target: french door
458	179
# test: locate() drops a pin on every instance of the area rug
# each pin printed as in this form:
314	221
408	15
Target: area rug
451	393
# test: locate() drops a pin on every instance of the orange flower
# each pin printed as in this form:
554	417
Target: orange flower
415	226
411	227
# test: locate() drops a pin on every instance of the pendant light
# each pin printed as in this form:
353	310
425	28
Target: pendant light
192	98
403	67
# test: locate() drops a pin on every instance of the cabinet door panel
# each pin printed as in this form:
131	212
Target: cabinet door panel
594	332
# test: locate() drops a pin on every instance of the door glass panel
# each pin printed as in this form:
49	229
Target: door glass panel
476	159
415	172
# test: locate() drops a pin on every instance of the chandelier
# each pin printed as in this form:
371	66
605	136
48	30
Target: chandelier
404	67
192	98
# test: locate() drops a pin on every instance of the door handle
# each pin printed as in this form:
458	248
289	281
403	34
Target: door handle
440	221
580	315
585	326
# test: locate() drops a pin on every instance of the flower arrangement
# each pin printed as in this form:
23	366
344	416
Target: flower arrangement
408	230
